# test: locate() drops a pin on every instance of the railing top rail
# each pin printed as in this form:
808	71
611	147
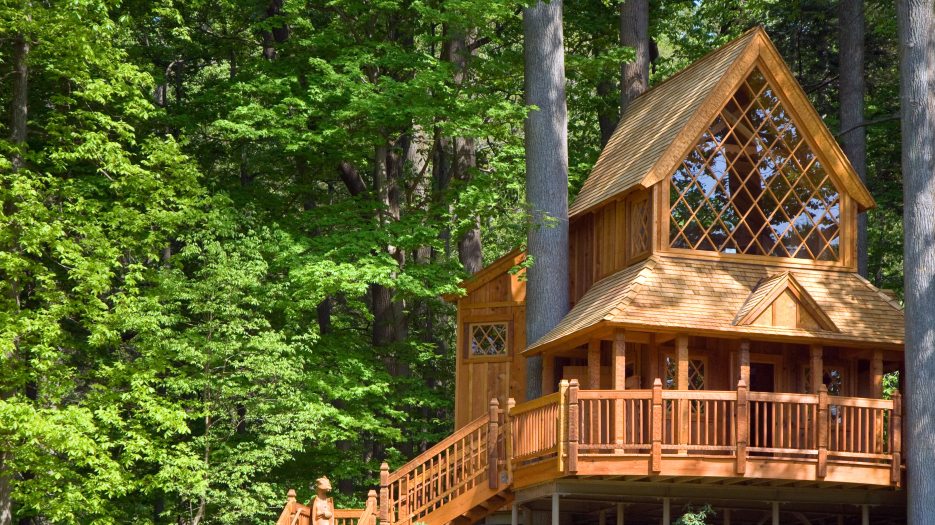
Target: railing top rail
710	395
551	399
782	397
860	402
615	394
348	513
438	448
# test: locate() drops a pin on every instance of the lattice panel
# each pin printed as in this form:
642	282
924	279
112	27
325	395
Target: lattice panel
695	374
640	226
753	185
488	339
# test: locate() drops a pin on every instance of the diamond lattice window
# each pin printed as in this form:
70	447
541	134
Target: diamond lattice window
488	339
753	185
641	220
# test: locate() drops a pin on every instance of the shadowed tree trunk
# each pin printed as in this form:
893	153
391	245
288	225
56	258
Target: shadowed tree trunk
851	71
917	104
19	112
634	33
546	133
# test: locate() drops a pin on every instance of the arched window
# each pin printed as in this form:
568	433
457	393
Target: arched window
753	185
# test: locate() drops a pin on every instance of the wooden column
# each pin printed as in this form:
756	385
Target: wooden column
657	415
508	438
876	392
384	494
817	368
493	422
619	375
594	364
776	513
822	432
548	374
555	508
666	511
572	465
743	426
865	514
562	428
896	439
684	408
743	362
514	514
620	515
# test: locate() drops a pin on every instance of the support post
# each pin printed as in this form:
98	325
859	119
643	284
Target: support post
896	439
594	364
743	374
620	383
602	517
555	508
876	392
743	426
290	503
514	514
817	368
384	494
493	478
666	511
684	407
508	438
775	513
562	425
621	517
822	431
865	514
572	465
372	506
656	458
726	516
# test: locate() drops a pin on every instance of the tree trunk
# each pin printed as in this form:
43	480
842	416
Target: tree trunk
851	72
19	113
458	51
634	33
917	104
546	133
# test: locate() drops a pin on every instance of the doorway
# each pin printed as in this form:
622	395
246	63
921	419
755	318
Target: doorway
762	379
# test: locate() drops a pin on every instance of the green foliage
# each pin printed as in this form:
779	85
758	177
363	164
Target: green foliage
696	517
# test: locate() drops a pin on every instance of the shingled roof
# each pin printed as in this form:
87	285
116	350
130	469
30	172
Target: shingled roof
661	125
705	295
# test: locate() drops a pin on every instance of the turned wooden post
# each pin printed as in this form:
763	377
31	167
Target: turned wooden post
371	506
743	426
572	465
384	494
656	460
823	422
290	503
896	438
561	426
508	438
493	478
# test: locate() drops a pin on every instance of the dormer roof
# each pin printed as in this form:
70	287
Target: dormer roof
661	126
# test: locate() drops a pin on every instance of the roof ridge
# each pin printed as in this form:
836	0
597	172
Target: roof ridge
649	265
879	292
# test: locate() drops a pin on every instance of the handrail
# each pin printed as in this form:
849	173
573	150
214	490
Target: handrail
438	447
539	402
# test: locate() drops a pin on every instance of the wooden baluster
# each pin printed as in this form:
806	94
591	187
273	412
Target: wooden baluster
656	461
572	428
384	494
404	498
896	437
822	431
743	425
493	478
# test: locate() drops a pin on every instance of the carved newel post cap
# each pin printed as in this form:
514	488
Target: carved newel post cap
290	495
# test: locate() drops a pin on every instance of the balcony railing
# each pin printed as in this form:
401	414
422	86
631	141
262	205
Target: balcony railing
808	430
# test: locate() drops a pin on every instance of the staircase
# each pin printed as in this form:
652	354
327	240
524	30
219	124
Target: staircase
459	481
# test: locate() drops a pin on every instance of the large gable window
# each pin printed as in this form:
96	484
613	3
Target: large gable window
753	185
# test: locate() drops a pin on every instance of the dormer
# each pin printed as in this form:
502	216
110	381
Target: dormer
727	159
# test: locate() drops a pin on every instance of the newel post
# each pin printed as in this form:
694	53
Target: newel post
656	461
896	437
561	426
743	425
384	494
290	503
822	431
508	438
493	419
371	506
572	465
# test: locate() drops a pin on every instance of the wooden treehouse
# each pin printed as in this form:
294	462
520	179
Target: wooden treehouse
720	346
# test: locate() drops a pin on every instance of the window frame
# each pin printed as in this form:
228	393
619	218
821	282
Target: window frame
469	339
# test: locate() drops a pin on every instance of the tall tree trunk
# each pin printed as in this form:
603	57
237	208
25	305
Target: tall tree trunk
917	104
851	73
546	132
634	33
19	113
458	51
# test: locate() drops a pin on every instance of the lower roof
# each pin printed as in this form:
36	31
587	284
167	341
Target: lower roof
669	292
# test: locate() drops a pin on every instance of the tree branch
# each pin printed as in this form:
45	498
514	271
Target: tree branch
868	123
352	179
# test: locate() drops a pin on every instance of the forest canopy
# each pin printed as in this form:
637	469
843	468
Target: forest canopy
228	226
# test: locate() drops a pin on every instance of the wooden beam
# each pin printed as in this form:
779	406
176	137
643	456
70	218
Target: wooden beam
817	368
594	364
743	362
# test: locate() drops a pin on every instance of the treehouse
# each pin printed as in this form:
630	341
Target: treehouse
720	347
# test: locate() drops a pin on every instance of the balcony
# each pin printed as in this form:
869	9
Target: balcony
701	433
